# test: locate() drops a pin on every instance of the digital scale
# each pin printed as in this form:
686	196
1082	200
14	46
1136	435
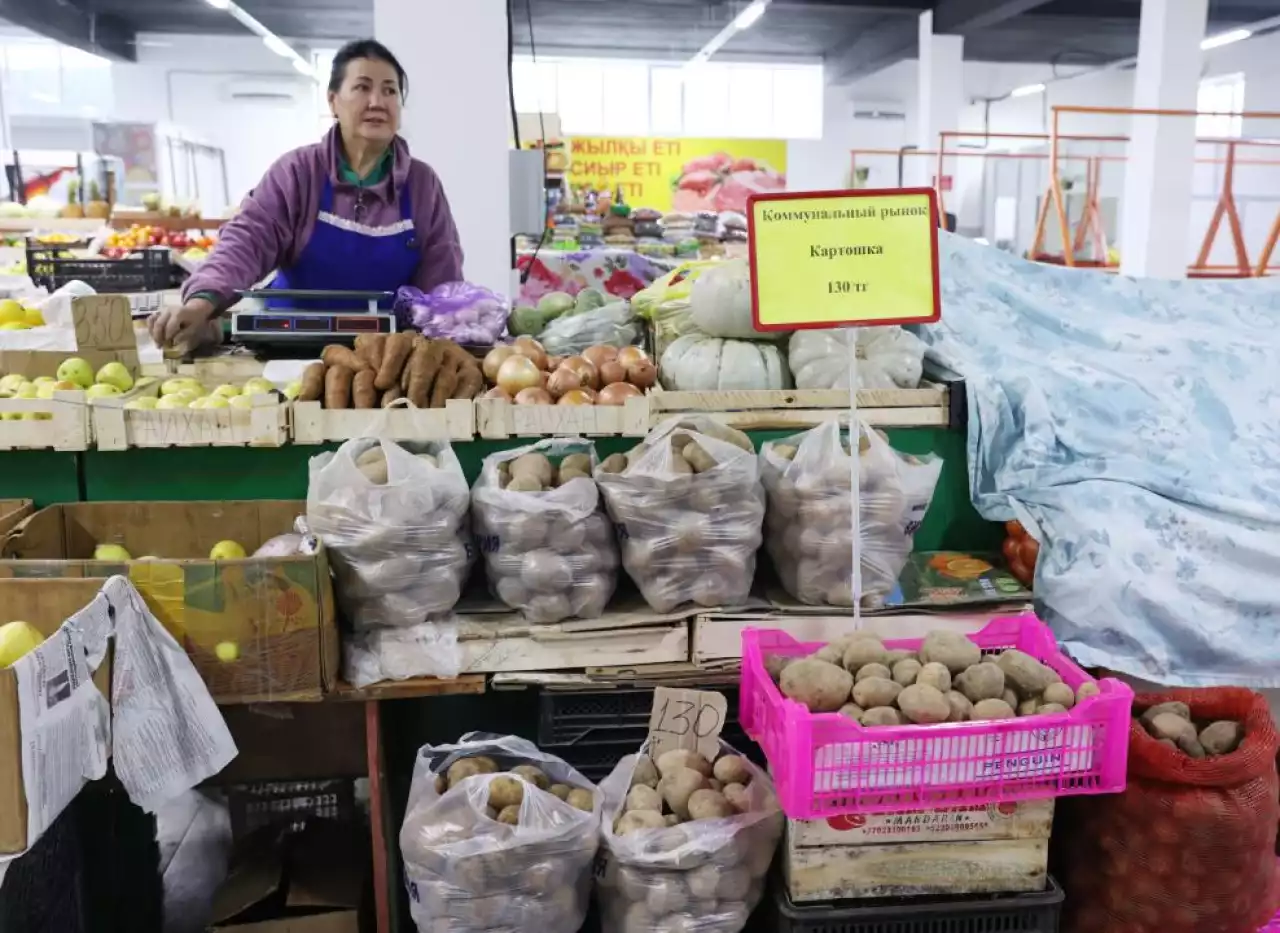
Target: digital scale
296	328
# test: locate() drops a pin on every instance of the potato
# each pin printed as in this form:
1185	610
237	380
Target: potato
614	463
906	671
852	711
633	821
672	819
832	653
666	893
894	655
714	784
1061	694
774	665
677	786
535	776
882	716
1010	697
863	649
373	464
510	815
1222	737
1173	706
875	691
560	791
698	458
536	466
820	686
641	797
924	704
525	484
1169	726
1029	707
678	758
708	804
467	767
786	451
505	792
581	799
579	462
961	708
1087	689
564	476
992	709
935	675
704	880
1027	676
1047	709
442	783
951	649
646	772
872	670
1168	743
1189	743
738	796
732	769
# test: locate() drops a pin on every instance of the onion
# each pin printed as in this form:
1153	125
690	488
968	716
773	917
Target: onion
599	354
584	369
493	361
642	374
617	393
612	372
629	355
562	381
553	363
533	397
576	397
518	372
497	392
527	346
591	394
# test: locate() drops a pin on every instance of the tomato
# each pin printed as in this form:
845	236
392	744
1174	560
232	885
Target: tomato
1014	528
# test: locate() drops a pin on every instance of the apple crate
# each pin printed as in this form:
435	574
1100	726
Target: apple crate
314	424
497	418
57	423
265	423
826	765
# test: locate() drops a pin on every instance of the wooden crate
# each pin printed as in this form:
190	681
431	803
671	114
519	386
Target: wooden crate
314	424
266	424
798	409
498	418
58	423
214	371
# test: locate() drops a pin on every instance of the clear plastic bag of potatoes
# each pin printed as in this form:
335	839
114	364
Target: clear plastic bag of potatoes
395	523
688	509
548	546
696	876
490	846
809	523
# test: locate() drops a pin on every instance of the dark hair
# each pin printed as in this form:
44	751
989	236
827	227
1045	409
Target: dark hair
364	48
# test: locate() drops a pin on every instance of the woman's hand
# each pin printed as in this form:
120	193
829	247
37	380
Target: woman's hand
189	326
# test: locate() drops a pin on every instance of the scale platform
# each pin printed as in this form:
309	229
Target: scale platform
292	327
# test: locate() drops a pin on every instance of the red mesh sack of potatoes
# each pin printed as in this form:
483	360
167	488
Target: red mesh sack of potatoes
1189	847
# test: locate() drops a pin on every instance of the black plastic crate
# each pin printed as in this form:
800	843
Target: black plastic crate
1037	912
288	803
145	270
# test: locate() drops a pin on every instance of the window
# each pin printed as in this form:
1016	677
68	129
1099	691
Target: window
1222	95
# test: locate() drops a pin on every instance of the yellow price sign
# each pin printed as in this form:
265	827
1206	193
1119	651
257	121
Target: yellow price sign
844	258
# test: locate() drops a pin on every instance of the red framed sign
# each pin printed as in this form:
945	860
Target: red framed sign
844	258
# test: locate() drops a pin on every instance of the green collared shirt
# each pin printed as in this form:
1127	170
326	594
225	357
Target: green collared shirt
347	175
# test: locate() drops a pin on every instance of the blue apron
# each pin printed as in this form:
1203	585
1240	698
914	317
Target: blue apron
350	256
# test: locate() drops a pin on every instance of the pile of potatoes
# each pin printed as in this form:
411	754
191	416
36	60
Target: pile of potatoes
548	548
688	507
690	847
1171	724
809	533
498	852
947	680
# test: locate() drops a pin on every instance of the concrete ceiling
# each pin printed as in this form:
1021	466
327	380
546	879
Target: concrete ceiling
854	37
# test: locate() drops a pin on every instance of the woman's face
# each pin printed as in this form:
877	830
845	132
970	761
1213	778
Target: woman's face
367	105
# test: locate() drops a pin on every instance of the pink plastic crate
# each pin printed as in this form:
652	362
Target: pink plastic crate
826	765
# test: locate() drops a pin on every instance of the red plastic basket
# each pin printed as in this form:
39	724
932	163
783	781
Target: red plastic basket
826	765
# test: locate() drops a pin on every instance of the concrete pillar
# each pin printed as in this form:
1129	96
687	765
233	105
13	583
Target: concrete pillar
939	95
1158	175
457	117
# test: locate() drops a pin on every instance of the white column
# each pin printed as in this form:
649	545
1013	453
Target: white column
939	96
1158	174
457	118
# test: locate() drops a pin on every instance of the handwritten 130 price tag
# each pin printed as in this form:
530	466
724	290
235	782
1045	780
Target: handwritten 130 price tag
689	719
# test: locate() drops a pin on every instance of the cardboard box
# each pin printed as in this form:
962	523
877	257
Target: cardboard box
277	612
104	334
13	511
310	881
46	604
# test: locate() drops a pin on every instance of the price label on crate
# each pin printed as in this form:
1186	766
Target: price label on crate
691	719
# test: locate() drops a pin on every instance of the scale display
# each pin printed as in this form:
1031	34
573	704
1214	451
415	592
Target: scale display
284	325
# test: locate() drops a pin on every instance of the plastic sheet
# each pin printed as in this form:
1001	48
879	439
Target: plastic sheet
888	357
614	323
401	550
809	527
686	536
468	873
459	311
428	649
550	554
701	876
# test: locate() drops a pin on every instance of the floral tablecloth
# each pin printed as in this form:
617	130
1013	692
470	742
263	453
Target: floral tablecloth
618	272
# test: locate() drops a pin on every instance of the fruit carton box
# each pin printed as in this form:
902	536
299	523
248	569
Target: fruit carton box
262	422
274	617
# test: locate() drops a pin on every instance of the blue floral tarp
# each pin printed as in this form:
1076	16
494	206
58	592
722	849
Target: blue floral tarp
1134	427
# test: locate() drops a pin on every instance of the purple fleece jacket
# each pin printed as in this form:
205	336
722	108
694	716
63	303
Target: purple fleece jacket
277	217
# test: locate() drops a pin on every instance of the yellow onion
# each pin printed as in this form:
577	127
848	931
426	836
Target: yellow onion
518	372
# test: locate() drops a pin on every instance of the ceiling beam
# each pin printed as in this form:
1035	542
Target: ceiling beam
71	24
964	16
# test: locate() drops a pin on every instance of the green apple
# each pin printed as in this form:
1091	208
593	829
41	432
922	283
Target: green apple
145	381
293	390
214	401
101	390
46	389
181	384
259	386
76	370
111	552
227	651
172	402
16	640
227	550
28	390
43	380
116	374
146	403
241	401
226	390
12	382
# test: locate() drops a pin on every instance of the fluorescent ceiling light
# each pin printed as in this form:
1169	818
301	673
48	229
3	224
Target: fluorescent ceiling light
278	45
1027	90
219	4
747	18
303	68
1225	38
744	20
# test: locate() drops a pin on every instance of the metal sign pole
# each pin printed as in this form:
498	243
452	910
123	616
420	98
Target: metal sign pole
855	468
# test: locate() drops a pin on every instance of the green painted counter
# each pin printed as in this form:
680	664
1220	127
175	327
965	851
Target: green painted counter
45	476
183	473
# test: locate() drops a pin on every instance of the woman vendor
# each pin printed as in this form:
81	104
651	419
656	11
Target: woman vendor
354	212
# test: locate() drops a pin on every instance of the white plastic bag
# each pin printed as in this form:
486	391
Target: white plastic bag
614	324
428	649
701	876
720	302
888	357
809	525
687	536
468	873
401	550
550	554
